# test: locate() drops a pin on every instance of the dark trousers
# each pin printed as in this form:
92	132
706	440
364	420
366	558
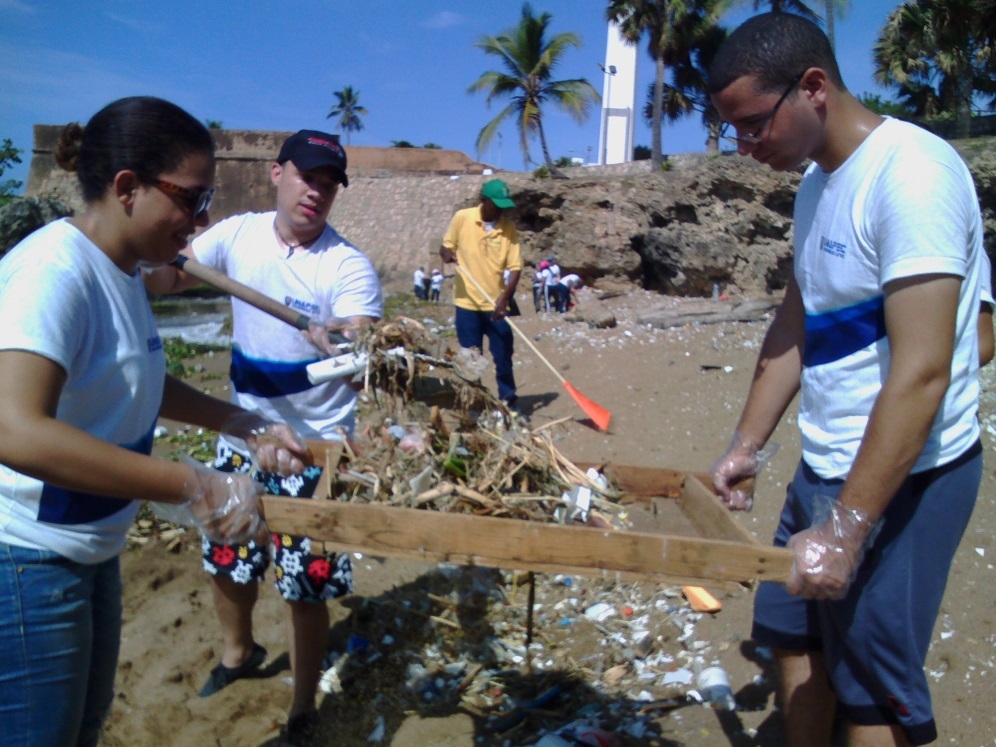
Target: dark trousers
472	327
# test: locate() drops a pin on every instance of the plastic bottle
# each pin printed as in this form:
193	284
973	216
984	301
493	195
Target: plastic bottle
715	291
713	685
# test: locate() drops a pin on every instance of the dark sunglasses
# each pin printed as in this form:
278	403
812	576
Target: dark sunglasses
196	202
755	137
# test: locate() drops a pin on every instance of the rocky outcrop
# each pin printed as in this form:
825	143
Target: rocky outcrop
718	219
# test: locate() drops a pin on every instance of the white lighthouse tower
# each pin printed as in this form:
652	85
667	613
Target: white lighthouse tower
615	140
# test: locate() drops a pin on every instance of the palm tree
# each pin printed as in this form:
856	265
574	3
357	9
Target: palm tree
937	55
831	9
347	108
672	27
689	92
529	59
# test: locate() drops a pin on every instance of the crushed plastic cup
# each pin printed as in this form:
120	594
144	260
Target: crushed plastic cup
575	505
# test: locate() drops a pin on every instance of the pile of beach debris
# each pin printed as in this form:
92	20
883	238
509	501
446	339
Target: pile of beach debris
432	436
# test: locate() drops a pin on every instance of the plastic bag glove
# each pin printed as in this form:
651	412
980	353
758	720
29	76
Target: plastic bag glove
224	506
328	335
743	459
826	557
275	447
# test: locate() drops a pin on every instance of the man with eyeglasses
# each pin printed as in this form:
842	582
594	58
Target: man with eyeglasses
484	243
878	333
291	254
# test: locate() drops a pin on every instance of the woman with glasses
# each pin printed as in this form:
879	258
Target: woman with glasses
83	382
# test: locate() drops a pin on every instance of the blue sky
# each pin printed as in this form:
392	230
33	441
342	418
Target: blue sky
273	65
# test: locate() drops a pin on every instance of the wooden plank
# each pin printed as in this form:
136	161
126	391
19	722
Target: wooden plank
709	515
641	482
697	501
508	543
723	553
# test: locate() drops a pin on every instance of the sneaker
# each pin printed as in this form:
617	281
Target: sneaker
222	676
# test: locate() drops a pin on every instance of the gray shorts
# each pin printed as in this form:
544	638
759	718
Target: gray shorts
875	640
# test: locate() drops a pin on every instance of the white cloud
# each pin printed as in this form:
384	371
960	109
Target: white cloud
443	20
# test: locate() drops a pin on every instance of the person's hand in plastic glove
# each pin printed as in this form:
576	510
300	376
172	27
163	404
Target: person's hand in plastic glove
275	447
223	505
328	335
826	557
743	459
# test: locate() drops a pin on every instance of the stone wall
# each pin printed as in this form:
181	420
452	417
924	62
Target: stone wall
396	209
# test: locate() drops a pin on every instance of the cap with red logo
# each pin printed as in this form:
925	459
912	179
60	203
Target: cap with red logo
311	149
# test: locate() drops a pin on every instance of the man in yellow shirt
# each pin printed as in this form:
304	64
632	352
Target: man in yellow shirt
484	242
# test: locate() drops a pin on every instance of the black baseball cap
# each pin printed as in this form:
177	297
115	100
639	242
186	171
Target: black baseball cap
311	149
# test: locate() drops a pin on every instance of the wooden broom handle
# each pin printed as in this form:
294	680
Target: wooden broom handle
251	296
222	282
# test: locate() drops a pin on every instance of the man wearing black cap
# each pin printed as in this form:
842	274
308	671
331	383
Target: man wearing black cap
484	243
291	254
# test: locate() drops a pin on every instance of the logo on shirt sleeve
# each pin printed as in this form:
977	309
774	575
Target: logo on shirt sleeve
155	343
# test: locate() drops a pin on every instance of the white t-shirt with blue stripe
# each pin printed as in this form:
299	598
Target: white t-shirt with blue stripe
903	204
62	298
332	278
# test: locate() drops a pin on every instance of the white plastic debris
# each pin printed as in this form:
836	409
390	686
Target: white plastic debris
330	684
578	502
600	612
681	676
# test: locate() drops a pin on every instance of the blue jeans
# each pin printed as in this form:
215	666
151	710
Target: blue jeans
60	631
471	327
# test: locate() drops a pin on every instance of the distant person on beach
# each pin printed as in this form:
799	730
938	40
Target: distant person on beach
569	283
484	243
545	278
552	287
418	284
436	286
538	300
879	333
83	382
291	254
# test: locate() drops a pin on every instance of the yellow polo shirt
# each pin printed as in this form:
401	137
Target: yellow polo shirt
484	254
